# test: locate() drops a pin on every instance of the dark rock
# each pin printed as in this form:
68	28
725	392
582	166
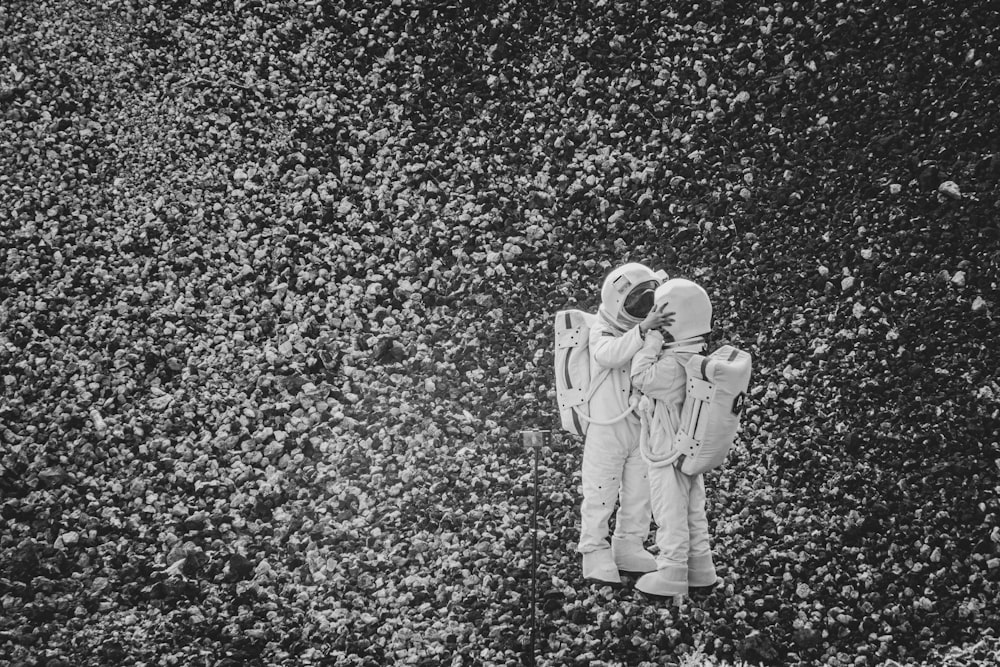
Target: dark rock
929	177
239	567
806	637
760	648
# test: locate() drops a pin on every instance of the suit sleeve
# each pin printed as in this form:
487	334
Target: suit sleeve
654	375
612	351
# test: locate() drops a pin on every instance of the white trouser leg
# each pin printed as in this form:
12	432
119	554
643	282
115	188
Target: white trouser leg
701	569
634	512
601	478
669	500
669	496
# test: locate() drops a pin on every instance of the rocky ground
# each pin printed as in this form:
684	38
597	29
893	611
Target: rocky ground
277	289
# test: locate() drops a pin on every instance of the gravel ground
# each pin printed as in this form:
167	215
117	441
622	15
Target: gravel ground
277	289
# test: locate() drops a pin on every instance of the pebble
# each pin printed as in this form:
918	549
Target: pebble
99	424
68	539
950	189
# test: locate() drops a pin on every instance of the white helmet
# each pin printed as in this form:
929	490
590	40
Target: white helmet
627	293
691	307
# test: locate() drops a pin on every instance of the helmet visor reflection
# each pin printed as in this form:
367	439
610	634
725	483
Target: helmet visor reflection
640	300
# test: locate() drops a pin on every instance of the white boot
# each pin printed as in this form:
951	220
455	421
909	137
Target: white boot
701	571
631	557
600	566
666	582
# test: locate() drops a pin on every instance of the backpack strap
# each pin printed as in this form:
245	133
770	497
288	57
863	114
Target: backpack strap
590	394
608	422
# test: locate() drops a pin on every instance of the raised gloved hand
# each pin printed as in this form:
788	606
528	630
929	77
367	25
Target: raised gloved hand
657	319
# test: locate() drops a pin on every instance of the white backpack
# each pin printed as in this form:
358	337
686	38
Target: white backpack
717	385
574	388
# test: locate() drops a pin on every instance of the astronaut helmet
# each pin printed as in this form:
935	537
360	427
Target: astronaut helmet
689	303
627	294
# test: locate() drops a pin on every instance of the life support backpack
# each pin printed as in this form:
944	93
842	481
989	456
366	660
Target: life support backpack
574	387
717	386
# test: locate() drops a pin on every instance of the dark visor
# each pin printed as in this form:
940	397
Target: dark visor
640	300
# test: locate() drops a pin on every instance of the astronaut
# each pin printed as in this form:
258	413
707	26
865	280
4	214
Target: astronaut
685	559
613	469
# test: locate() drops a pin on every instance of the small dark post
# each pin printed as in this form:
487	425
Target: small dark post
535	440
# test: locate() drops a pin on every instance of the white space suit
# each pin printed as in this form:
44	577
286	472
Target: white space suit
677	499
613	469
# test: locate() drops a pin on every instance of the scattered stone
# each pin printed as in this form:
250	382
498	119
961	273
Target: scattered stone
950	189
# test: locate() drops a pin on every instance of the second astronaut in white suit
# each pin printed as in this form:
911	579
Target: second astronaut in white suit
677	499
